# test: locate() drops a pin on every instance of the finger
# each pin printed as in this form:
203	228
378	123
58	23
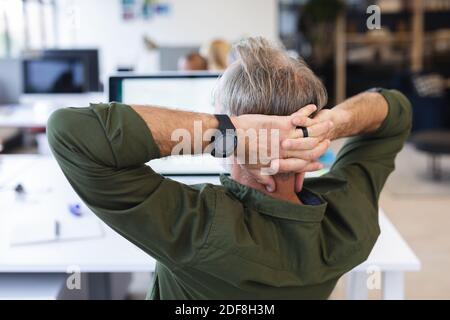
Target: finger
306	111
302	121
309	155
313	166
300	144
266	180
320	129
263	177
299	179
288	165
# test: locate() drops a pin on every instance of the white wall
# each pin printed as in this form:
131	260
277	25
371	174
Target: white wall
98	23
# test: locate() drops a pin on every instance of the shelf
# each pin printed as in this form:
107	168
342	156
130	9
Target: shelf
364	38
404	37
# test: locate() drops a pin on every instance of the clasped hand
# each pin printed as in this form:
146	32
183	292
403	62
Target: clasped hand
295	153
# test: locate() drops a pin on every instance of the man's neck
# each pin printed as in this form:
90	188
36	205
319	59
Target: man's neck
285	184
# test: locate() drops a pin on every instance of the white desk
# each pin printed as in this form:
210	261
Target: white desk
25	116
49	191
34	110
390	258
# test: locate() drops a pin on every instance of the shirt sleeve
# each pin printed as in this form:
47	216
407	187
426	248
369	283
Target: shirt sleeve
366	161
351	226
103	151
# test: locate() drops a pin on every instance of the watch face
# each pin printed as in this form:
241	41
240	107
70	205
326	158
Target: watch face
224	145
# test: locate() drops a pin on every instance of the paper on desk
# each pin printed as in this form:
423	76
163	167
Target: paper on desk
75	228
33	231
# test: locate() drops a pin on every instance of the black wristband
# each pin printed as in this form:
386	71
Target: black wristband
227	130
224	123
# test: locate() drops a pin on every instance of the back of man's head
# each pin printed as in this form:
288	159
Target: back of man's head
266	80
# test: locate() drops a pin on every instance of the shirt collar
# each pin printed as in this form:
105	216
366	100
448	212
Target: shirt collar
267	205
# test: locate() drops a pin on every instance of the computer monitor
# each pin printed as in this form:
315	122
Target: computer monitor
10	81
54	75
61	71
192	92
185	91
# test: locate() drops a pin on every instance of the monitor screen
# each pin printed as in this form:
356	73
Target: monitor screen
61	71
90	58
52	75
191	92
10	80
184	92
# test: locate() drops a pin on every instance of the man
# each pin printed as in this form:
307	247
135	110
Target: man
253	237
192	62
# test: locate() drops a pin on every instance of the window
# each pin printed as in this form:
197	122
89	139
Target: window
26	24
11	27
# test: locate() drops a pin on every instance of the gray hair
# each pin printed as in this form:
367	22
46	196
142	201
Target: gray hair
266	80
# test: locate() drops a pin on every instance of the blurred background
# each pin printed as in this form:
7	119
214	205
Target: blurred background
58	53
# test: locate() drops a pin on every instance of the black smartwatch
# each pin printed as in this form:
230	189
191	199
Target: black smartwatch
226	142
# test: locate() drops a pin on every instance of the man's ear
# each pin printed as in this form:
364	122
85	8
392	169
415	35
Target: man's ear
299	178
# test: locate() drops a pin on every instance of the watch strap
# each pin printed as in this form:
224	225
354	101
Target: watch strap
224	123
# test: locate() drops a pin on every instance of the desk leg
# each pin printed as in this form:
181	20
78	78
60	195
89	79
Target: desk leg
356	286
393	285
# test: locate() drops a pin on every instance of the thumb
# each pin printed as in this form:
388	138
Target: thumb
299	178
267	181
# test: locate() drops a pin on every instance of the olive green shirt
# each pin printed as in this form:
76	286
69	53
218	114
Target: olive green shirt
228	241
